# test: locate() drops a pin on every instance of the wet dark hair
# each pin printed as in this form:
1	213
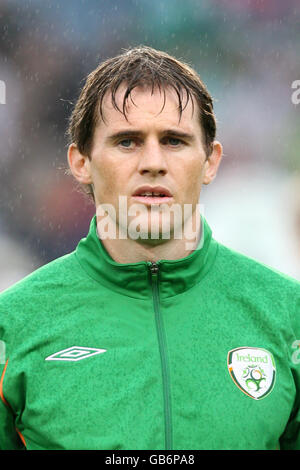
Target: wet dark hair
140	66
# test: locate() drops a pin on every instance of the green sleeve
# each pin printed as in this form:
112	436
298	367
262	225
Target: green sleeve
9	438
290	440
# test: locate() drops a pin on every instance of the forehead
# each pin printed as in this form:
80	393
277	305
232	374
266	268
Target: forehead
145	105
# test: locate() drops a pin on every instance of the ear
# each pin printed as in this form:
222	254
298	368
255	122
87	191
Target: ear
79	165
212	163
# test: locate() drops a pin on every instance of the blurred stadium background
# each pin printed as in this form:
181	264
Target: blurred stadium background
246	51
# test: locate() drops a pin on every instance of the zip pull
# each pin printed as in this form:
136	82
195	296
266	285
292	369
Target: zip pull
153	268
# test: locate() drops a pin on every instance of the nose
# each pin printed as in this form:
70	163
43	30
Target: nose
152	159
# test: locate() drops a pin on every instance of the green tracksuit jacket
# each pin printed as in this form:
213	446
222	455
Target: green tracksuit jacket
196	353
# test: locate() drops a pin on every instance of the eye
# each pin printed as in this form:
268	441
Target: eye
126	143
173	141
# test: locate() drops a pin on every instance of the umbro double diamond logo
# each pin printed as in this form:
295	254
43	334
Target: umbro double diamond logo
75	353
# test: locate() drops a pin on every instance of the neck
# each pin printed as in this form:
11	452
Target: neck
128	250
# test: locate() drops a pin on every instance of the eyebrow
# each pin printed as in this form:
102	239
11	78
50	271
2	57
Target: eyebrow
132	133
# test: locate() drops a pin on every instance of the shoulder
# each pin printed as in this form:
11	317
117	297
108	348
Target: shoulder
247	277
43	287
52	273
259	285
245	269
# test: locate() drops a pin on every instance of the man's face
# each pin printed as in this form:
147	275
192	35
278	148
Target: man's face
152	148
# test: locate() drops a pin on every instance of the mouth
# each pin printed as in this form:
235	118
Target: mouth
156	195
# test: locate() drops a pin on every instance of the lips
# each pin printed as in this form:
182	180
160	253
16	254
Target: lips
152	194
152	191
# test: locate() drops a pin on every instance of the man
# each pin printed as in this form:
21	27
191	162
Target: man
150	335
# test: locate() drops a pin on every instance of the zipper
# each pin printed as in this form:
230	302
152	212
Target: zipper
154	269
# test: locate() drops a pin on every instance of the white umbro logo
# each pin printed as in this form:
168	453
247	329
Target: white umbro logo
75	353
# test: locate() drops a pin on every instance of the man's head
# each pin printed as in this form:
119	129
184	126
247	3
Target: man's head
143	118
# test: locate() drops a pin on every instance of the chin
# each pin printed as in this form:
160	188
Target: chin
152	233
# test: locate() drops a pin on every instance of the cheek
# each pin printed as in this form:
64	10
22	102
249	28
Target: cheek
111	181
104	174
191	177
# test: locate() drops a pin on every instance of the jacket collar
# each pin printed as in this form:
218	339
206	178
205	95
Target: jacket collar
134	279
